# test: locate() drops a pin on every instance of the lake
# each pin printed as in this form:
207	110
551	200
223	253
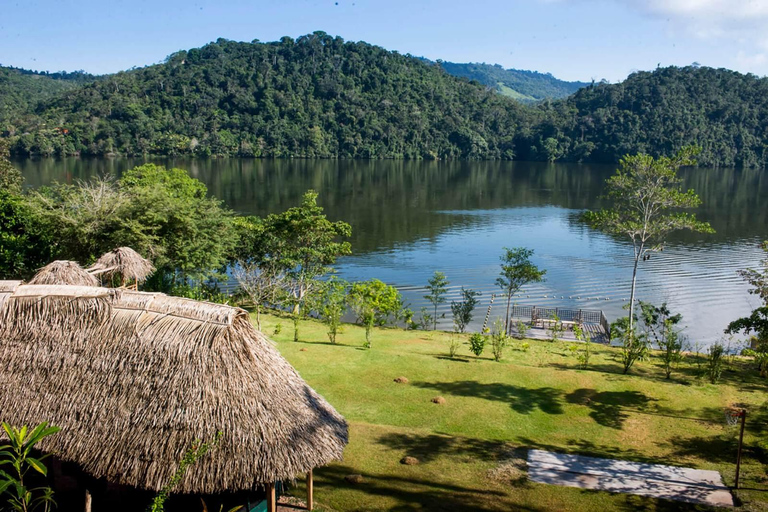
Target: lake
412	218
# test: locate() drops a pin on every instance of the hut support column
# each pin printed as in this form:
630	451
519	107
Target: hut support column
310	491
271	501
87	501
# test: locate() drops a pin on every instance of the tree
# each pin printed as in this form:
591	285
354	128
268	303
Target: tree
437	287
757	321
303	244
10	177
332	303
24	243
517	270
374	303
464	309
647	197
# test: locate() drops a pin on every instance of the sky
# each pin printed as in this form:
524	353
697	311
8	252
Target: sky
572	39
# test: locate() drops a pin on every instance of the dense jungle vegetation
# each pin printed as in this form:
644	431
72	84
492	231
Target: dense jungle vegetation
319	96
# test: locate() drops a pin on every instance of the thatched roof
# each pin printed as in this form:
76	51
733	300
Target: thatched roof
135	378
64	272
125	263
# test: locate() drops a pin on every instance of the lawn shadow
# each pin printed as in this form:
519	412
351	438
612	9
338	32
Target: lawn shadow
520	399
429	447
415	493
609	408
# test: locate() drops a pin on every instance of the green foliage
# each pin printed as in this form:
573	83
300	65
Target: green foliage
17	455
164	214
634	345
555	329
10	177
521	330
477	343
760	355
278	329
332	303
425	319
586	353
316	96
197	451
453	345
464	309
715	362
499	340
25	245
756	322
302	244
374	303
437	287
517	270
647	197
525	347
529	86
660	327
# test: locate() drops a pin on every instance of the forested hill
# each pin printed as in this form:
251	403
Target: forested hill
724	112
317	96
524	86
21	89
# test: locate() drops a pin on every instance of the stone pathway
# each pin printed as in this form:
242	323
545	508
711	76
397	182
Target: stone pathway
653	480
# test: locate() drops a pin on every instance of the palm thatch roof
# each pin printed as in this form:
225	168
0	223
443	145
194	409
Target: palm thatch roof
125	263
135	378
64	272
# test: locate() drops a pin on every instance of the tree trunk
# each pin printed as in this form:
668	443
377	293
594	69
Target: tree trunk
258	317
87	501
632	293
506	319
434	319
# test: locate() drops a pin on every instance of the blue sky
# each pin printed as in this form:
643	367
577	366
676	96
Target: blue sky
572	39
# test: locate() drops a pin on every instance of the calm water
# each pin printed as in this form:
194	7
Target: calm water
410	219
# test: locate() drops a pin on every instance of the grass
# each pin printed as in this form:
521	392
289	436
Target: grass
535	398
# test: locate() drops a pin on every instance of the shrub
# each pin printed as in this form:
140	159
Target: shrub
278	329
463	310
715	362
525	347
453	346
522	329
499	340
556	329
476	343
586	353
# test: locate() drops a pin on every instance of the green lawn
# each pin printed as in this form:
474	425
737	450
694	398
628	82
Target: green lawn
535	398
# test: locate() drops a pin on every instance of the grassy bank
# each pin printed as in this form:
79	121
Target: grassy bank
535	398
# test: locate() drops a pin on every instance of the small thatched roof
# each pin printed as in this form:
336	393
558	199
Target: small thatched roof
135	378
125	263
64	272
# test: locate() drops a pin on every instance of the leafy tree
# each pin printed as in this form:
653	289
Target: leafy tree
332	303
374	303
18	455
517	270
464	309
24	243
10	177
647	200
757	321
305	244
437	288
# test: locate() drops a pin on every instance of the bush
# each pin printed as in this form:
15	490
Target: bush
715	362
453	346
525	347
499	340
522	329
278	329
584	355
476	343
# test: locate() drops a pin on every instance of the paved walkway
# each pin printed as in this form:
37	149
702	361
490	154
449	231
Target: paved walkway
654	480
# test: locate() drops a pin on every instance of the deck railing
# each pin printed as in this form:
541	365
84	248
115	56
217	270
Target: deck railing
584	316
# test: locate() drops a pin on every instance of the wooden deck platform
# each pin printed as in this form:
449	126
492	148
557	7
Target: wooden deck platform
594	323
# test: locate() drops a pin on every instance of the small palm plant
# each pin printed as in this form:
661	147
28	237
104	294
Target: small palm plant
18	455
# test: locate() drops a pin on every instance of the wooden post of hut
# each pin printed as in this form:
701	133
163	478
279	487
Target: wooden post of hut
271	498
310	491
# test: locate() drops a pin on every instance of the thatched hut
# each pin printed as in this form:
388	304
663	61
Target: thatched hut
134	378
64	272
125	265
